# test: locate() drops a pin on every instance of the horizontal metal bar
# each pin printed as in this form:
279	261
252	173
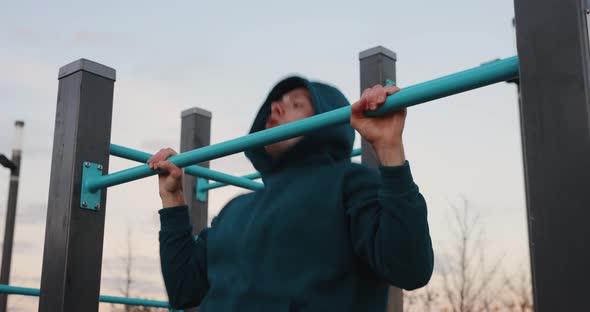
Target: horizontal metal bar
198	171
35	292
214	185
477	77
480	76
254	176
134	301
6	289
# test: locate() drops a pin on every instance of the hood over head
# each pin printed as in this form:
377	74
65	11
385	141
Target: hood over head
336	141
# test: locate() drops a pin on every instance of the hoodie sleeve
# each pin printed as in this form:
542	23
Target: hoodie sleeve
388	224
183	258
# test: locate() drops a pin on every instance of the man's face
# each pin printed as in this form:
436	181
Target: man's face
294	105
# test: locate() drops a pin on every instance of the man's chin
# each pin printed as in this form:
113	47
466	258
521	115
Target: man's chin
273	150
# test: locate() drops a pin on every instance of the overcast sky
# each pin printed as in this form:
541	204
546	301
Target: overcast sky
224	57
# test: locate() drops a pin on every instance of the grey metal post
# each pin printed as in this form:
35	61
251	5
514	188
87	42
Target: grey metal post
376	65
11	210
552	40
72	256
195	133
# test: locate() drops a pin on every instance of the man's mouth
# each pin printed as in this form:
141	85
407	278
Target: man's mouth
271	123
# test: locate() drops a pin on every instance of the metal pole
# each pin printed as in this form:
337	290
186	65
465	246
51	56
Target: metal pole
377	65
11	210
470	79
195	133
72	257
553	45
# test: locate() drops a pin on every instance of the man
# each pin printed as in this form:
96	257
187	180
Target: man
325	234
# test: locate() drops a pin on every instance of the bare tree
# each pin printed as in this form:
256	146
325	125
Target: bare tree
409	299
467	279
429	297
125	290
520	296
128	261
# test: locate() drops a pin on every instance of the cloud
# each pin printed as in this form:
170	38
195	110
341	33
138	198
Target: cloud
104	39
153	145
21	247
25	281
32	213
25	35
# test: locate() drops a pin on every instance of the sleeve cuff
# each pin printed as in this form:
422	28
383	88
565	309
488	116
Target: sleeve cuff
397	180
174	218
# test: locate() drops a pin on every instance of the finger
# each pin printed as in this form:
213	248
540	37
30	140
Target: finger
364	100
370	97
378	99
376	96
377	87
171	168
384	93
170	152
157	156
163	154
357	108
153	161
389	90
150	160
365	96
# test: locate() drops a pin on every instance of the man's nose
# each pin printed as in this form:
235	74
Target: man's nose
276	108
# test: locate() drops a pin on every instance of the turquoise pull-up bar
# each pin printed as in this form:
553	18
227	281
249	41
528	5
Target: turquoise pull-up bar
34	292
197	171
498	71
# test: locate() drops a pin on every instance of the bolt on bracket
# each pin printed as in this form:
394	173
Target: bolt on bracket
90	200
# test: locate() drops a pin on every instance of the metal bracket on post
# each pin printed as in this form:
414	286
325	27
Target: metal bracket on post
200	189
389	83
90	200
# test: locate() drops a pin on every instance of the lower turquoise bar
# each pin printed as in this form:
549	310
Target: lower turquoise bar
134	301
252	176
498	71
131	154
7	289
214	185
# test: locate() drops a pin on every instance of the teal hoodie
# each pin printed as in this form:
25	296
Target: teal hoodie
325	234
